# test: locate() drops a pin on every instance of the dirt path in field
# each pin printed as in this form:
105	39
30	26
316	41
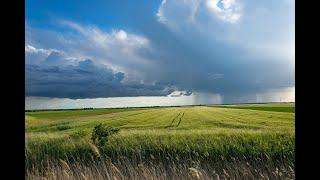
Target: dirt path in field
174	120
179	116
180	119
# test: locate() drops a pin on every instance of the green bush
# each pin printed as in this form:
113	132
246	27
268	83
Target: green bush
63	127
78	134
101	133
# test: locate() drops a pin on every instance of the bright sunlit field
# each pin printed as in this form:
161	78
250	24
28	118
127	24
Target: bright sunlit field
253	141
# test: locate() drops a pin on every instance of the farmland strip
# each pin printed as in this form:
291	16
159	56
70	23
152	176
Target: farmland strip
174	119
180	119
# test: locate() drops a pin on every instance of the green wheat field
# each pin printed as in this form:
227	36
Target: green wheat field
250	141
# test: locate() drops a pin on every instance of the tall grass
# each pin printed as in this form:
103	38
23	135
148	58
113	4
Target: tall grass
181	143
127	169
259	154
68	161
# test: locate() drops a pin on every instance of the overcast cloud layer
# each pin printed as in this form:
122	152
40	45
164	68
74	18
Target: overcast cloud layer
231	47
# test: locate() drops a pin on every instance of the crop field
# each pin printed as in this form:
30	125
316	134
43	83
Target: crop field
253	141
280	107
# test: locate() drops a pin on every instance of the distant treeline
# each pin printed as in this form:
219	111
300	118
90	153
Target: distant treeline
36	110
91	108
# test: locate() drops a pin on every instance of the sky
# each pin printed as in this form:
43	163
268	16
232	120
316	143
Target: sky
236	50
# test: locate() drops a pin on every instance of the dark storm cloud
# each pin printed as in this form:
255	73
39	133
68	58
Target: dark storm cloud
82	80
184	46
233	59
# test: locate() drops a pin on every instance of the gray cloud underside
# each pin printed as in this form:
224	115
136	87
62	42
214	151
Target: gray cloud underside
83	80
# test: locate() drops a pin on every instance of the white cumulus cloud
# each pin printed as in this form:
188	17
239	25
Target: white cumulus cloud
229	11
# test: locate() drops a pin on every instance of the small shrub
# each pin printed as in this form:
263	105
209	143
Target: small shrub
101	133
63	127
78	134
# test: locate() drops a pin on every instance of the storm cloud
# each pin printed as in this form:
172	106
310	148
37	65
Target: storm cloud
232	48
56	76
